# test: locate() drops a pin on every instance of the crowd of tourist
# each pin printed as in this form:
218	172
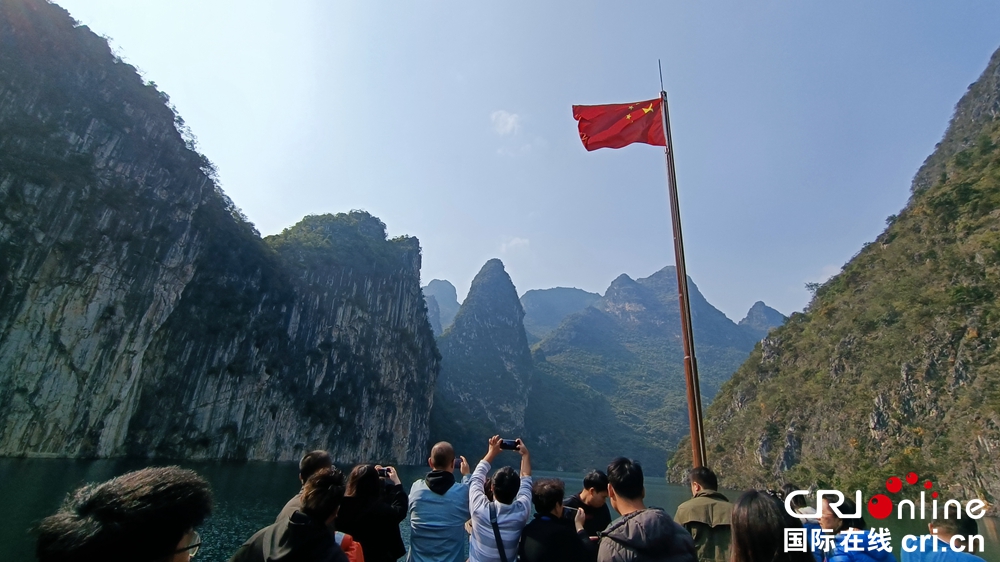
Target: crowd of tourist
151	515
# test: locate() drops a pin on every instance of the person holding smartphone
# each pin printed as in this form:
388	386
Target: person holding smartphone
553	535
373	507
497	523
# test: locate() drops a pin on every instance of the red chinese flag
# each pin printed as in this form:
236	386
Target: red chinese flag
618	125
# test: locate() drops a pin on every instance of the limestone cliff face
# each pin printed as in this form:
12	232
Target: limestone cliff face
486	365
141	315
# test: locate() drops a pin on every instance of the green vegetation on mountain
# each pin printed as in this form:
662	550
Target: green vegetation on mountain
545	309
610	380
142	315
486	367
894	365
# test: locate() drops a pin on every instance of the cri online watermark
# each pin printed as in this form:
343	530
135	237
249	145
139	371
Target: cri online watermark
880	507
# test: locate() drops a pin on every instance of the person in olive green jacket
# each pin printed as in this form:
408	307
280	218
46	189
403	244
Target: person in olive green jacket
707	516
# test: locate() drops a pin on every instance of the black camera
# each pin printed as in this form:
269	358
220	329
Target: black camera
508	444
382	472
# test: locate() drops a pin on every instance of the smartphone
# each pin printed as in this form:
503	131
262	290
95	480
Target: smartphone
570	511
382	472
458	464
508	444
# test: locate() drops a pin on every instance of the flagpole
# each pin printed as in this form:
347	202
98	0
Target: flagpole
698	455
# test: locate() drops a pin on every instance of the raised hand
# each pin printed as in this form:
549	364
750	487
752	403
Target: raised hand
494	449
393	475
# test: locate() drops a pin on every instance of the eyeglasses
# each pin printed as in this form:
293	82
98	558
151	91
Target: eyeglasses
192	548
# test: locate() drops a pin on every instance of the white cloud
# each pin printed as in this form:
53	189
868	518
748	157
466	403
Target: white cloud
514	244
826	273
505	123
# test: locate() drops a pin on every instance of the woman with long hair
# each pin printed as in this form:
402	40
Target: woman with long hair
373	507
758	528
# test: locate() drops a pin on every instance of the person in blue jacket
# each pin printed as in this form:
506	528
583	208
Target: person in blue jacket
944	533
851	542
439	508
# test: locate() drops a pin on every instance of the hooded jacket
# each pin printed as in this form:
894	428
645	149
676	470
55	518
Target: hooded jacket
295	539
438	508
647	535
707	516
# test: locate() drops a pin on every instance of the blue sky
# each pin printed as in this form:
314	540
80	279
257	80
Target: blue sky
797	125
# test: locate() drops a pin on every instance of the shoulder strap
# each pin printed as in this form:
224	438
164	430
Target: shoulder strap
496	531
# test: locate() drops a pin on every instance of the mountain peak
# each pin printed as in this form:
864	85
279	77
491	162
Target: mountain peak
761	319
486	365
446	302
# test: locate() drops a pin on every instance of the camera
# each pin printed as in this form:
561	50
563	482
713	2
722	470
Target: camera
382	472
508	444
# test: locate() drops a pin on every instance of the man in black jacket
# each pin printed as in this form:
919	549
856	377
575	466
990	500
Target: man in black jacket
306	535
550	537
310	463
593	500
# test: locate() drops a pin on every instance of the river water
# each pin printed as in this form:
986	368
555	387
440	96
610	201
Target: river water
249	495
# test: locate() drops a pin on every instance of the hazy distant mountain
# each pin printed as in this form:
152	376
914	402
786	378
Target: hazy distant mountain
761	319
545	309
486	366
610	379
433	314
447	299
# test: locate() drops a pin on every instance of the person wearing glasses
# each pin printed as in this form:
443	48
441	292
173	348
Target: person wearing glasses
148	515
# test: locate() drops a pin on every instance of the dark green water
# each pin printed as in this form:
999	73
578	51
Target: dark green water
249	495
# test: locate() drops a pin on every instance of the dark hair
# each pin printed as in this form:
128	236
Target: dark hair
442	455
547	493
137	517
625	476
505	485
313	461
364	483
852	522
798	501
959	525
758	528
488	489
322	494
597	480
704	476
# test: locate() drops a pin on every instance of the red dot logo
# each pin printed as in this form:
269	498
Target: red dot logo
934	495
880	506
911	478
928	485
894	485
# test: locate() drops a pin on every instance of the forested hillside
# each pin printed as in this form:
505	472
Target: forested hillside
894	365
